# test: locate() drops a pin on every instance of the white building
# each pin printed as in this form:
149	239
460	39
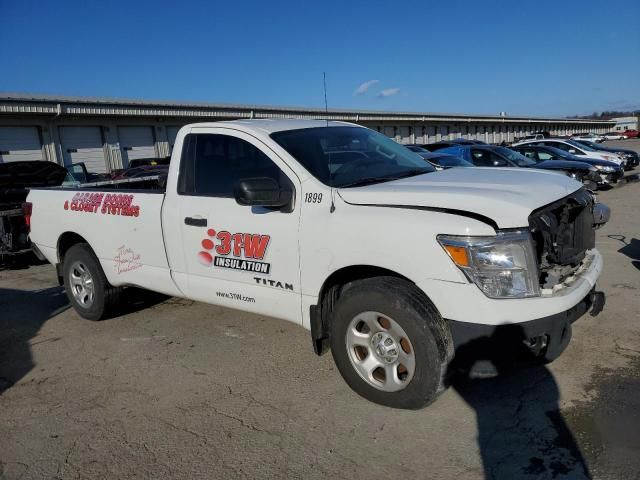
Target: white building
625	123
106	134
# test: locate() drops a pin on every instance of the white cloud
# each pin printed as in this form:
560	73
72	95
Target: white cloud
388	92
365	86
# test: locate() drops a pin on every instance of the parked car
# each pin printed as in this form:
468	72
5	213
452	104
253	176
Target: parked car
607	172
535	136
631	156
615	136
575	148
631	133
142	171
141	162
432	147
497	156
592	137
78	173
439	160
16	178
292	236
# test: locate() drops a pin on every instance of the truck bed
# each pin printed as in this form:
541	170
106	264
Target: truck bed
120	219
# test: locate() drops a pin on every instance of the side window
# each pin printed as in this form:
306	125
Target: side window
561	146
545	156
481	158
212	164
485	158
528	153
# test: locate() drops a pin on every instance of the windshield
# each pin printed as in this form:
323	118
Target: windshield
451	161
515	157
350	156
587	143
560	153
581	146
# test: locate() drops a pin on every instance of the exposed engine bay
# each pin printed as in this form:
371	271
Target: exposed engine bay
563	232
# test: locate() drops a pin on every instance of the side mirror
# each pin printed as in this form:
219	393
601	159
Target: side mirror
262	192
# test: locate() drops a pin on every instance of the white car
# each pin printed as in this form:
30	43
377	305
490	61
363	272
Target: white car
592	137
578	149
402	271
615	136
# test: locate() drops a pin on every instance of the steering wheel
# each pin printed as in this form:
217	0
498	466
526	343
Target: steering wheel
354	165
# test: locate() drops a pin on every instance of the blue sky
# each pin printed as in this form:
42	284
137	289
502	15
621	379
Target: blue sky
525	58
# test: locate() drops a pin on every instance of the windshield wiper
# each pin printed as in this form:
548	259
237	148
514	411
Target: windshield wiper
371	180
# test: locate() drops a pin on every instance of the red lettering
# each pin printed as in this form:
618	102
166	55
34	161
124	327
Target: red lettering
238	244
225	243
255	246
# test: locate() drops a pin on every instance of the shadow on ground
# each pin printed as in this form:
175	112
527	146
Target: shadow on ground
521	432
22	315
629	248
21	261
136	299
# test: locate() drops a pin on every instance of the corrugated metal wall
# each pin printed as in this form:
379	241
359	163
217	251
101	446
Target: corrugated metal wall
162	123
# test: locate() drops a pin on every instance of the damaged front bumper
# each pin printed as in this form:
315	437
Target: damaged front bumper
488	350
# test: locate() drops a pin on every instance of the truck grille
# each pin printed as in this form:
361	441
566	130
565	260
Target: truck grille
562	232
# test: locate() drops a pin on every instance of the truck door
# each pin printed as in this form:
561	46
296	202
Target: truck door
238	256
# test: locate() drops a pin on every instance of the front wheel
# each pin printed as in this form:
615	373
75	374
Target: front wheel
88	290
390	343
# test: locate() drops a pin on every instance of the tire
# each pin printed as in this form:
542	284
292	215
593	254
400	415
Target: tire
80	266
370	311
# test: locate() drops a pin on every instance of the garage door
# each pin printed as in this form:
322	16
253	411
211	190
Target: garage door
84	145
136	143
172	133
20	143
405	135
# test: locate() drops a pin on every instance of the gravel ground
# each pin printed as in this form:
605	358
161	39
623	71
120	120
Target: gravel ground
177	389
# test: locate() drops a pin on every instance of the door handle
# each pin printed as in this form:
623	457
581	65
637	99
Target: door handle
195	221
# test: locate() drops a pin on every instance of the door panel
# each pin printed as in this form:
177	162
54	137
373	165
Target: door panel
238	256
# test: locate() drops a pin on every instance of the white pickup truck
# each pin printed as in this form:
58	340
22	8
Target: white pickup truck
405	273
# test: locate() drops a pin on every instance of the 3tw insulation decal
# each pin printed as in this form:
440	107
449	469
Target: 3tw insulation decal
237	251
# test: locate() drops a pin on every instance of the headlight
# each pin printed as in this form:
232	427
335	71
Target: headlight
502	266
605	168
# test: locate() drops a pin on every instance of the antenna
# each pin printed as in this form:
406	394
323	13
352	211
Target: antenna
326	114
326	105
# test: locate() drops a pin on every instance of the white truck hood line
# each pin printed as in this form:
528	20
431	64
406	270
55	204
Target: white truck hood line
505	195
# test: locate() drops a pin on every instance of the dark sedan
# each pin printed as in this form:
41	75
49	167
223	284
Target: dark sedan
432	147
609	172
439	160
492	156
633	159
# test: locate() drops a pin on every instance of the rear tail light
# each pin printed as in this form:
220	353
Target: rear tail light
27	209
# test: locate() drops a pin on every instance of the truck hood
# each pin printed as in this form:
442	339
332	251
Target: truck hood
507	196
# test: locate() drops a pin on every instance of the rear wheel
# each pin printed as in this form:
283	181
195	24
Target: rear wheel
389	342
88	290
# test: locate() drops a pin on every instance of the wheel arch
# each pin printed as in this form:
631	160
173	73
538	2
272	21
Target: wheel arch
329	294
65	242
